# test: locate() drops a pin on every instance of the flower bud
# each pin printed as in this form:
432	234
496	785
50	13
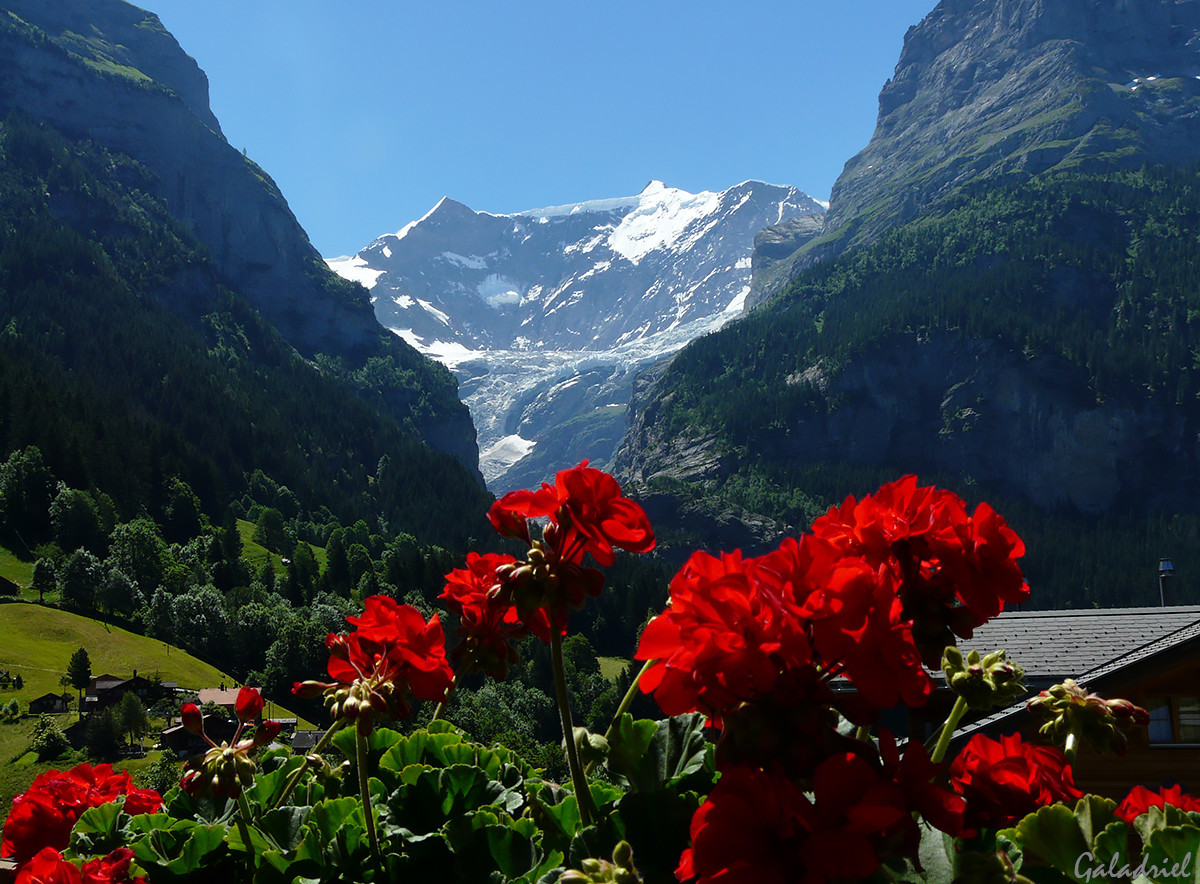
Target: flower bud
1070	710
249	704
599	871
308	690
984	682
193	720
266	732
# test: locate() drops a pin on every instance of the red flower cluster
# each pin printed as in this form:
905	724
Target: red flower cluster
226	769
871	594
585	513
392	654
879	588
44	815
487	625
49	867
953	571
1004	781
1140	800
757	826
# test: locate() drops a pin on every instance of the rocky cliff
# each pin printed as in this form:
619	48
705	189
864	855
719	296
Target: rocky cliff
108	71
990	88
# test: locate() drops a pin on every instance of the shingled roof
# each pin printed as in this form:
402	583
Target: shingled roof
1088	646
1053	645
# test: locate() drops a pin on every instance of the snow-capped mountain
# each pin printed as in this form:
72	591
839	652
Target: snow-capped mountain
545	315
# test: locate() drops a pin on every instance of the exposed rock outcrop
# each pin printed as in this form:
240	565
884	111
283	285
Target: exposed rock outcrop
985	88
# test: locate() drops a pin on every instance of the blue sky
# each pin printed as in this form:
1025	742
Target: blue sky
366	113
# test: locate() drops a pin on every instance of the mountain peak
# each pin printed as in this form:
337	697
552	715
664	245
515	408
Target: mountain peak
545	315
985	88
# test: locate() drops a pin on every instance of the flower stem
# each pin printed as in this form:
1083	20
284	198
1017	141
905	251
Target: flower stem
952	720
626	702
441	706
243	824
583	795
294	779
1071	747
363	754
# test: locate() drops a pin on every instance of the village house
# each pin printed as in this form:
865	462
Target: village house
1149	656
48	704
106	691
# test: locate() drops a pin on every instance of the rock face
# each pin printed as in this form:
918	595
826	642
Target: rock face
985	88
108	71
973	408
546	315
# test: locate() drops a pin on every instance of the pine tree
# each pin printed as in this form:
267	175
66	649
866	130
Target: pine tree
79	674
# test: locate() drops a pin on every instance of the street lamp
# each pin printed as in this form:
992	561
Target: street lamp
1165	571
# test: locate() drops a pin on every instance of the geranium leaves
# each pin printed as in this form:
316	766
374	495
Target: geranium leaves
649	755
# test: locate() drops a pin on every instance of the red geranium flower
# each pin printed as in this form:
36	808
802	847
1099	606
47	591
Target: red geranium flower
1140	800
590	502
48	867
723	639
111	869
918	777
859	814
588	509
1005	781
44	815
855	619
393	653
750	830
955	571
488	624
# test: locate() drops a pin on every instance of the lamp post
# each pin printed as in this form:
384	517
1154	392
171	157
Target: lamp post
1165	571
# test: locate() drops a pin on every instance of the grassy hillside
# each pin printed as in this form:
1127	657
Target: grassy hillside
39	641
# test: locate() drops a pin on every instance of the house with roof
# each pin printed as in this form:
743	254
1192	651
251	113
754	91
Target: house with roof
48	704
107	690
1149	656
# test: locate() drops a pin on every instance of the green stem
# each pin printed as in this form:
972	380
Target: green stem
863	734
952	720
587	809
294	779
1071	747
363	755
243	823
441	707
626	702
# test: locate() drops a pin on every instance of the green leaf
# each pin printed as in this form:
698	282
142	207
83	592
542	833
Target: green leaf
1052	833
1170	855
650	755
936	853
1094	815
268	786
657	825
628	748
99	830
1111	846
179	846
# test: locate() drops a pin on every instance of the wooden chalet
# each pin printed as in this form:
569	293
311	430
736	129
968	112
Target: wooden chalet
48	704
108	690
184	744
1150	656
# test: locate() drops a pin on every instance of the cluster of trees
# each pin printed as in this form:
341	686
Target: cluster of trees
127	361
1097	270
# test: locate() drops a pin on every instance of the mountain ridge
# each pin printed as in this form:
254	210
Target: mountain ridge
544	314
1015	88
